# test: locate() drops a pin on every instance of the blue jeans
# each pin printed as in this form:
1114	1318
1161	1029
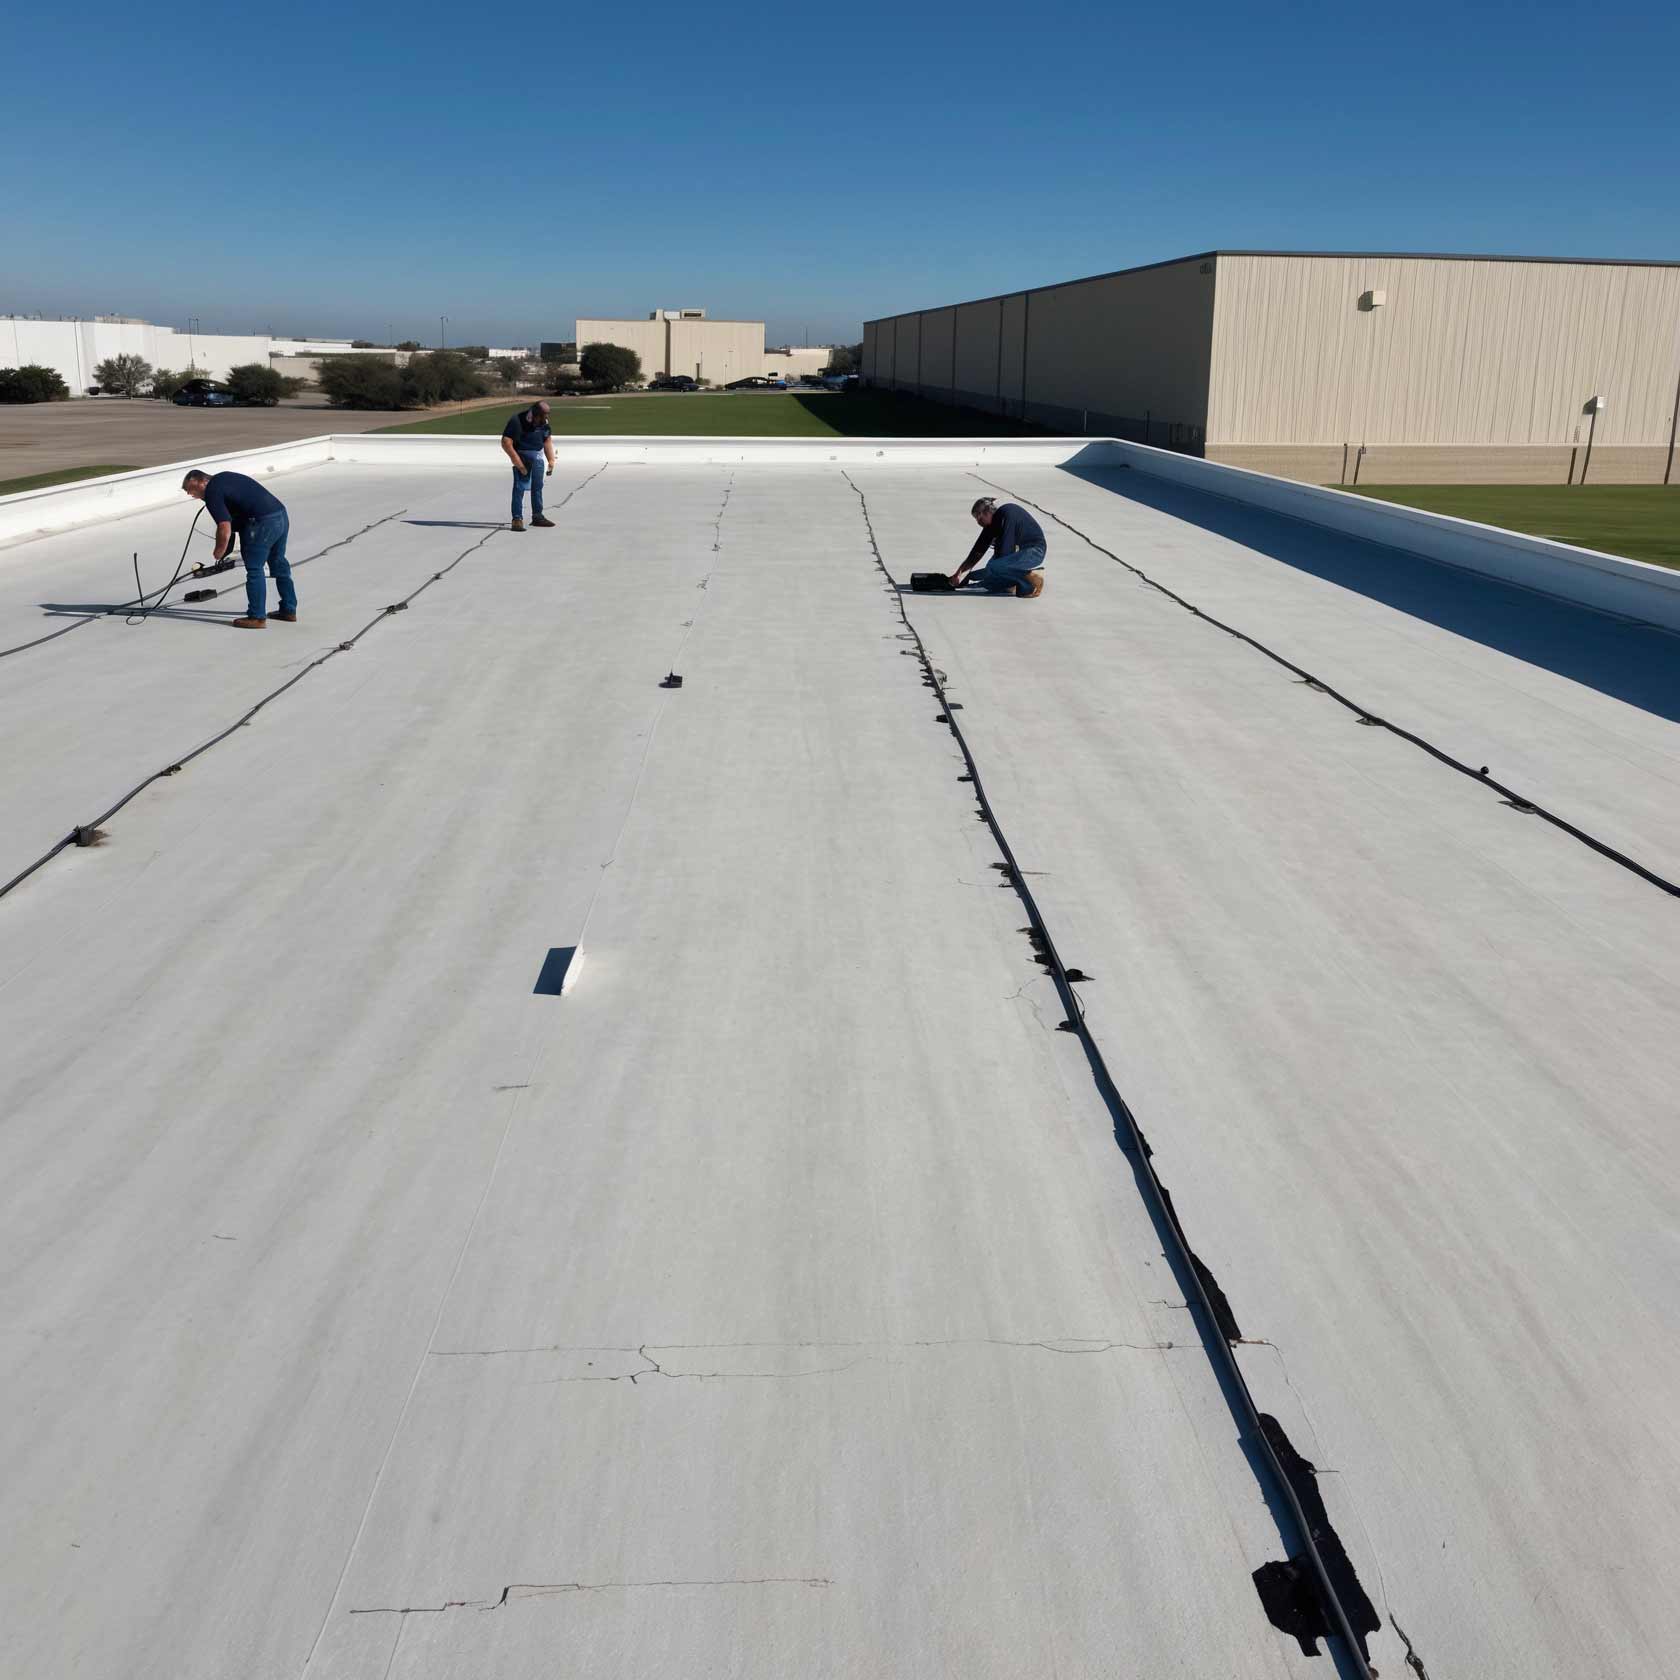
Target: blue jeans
531	479
1006	574
264	541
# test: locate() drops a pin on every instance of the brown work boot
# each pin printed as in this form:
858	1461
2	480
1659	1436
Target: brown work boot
250	624
284	616
517	525
546	524
1032	587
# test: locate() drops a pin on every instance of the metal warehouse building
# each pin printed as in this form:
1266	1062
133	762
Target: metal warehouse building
1333	367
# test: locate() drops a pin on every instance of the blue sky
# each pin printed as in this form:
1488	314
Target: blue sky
349	168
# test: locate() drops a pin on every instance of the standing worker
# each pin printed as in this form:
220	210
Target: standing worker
1016	540
238	503
525	442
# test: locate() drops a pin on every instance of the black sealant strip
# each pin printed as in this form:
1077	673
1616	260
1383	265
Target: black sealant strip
139	603
1258	1429
88	833
1520	801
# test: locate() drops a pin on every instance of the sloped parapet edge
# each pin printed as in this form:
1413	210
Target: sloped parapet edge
1605	582
65	507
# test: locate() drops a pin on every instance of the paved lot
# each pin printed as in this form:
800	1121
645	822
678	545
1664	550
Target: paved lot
775	1301
39	437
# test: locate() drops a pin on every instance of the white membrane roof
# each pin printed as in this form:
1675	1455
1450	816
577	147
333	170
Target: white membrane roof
775	1300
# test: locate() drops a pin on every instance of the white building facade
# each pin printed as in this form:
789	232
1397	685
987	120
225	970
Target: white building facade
76	347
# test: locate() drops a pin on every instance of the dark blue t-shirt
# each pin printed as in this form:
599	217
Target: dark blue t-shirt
527	438
1012	528
238	500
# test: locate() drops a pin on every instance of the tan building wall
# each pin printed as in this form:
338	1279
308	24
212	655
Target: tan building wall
646	338
309	367
720	350
1471	369
1462	353
797	362
1125	353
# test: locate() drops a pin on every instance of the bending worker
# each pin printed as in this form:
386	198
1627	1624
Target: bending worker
240	504
526	442
1017	544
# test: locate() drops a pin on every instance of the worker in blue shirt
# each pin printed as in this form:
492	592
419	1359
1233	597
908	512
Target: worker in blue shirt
1017	543
240	505
526	443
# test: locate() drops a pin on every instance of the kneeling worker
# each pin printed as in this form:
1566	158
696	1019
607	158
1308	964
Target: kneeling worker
1017	544
525	442
238	503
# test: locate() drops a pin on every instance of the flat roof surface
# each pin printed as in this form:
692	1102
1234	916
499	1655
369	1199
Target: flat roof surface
773	1299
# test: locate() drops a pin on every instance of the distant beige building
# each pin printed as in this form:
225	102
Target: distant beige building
684	341
1329	367
791	363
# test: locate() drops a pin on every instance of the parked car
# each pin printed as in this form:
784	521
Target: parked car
673	382
756	382
200	393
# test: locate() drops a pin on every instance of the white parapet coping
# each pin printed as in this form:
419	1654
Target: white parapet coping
1605	582
395	449
64	507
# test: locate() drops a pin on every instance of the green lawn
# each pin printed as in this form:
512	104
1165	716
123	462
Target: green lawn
737	414
1641	521
65	475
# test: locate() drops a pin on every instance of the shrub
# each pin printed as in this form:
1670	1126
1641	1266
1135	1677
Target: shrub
362	344
409	344
252	382
32	383
123	376
443	376
844	358
165	384
610	366
361	382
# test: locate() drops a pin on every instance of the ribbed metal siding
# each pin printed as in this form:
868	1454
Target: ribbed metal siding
1470	353
1120	352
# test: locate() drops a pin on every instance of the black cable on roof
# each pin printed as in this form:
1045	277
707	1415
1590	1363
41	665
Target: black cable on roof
86	834
1519	801
1261	1432
139	602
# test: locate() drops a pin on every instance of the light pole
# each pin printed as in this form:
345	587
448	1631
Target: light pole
1594	407
1369	303
441	320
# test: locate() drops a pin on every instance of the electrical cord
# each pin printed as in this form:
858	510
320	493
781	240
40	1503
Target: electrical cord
1517	801
1129	1135
87	834
129	606
142	612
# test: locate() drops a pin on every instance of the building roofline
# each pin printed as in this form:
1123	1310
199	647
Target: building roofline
691	321
1236	251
